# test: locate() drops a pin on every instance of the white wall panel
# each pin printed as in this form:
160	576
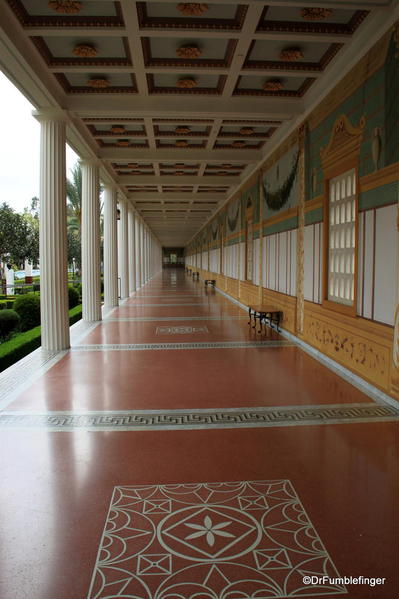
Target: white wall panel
308	263
385	264
368	274
282	262
265	274
256	255
272	262
360	263
293	236
241	258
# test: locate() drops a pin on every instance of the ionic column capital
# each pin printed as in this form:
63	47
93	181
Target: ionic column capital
50	114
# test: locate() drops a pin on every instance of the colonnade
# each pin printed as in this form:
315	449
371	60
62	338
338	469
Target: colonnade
132	254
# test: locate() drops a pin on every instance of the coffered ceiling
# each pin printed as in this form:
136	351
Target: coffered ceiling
180	101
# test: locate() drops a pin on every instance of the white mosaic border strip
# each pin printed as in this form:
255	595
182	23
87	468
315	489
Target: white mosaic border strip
136	420
173	318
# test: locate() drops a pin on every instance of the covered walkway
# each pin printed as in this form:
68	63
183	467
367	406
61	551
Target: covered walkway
107	449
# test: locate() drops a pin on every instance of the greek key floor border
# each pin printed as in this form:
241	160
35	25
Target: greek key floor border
185	346
153	420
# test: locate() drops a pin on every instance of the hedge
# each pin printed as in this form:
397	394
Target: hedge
23	344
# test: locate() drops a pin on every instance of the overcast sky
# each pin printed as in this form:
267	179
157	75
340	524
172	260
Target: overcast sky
19	150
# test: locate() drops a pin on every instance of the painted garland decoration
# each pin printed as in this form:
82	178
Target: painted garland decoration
277	199
238	144
66	7
181	143
123	142
232	222
118	129
192	9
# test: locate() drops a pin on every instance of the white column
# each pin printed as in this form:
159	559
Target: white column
147	234
138	254
53	229
91	292
110	249
123	246
142	253
132	250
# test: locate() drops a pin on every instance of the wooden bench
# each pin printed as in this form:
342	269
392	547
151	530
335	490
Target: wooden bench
210	282
264	314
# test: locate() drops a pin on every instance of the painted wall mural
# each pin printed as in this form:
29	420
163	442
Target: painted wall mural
233	216
280	184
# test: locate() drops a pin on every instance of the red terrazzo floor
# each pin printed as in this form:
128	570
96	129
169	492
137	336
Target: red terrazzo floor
57	486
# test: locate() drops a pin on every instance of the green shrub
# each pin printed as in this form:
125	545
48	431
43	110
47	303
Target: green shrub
28	307
18	347
6	304
73	297
21	345
9	321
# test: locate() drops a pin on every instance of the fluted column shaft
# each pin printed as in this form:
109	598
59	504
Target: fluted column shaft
53	232
123	255
91	291
132	250
142	254
138	254
110	249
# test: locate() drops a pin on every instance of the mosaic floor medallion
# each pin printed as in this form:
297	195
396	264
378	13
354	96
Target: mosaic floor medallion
181	330
237	540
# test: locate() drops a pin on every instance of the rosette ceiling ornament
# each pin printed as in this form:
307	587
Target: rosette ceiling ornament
85	51
182	130
66	7
118	129
187	83
192	9
273	85
315	14
291	54
188	51
98	82
246	131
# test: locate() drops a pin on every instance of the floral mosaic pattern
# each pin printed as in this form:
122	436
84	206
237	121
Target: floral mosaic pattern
232	540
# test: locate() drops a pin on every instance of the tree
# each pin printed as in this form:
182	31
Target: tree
74	215
74	198
31	217
18	236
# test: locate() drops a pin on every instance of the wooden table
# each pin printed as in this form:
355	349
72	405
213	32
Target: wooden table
264	313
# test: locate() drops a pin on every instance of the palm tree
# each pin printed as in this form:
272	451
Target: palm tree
74	198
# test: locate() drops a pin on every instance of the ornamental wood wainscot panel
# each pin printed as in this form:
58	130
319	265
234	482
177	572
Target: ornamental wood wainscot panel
232	287
221	282
249	293
362	346
286	303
